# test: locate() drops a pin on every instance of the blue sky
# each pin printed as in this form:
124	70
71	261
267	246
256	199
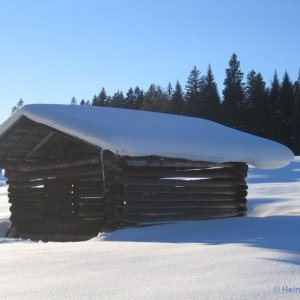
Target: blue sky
53	50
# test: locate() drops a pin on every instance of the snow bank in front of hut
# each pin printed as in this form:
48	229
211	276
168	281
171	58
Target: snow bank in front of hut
141	133
255	257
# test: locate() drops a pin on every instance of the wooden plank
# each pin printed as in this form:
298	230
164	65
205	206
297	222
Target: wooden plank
38	166
177	182
167	162
140	197
188	190
182	212
195	173
70	173
184	205
40	144
22	140
144	219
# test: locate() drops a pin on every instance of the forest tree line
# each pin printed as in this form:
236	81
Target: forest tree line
246	104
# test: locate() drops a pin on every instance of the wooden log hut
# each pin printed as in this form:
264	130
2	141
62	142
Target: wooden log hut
65	187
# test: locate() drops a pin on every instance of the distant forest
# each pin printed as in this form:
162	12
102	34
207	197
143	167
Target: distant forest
268	111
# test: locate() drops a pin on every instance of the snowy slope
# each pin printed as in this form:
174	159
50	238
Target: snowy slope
141	133
255	257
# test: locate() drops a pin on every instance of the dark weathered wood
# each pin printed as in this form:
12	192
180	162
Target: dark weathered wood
186	206
177	182
40	144
71	173
187	190
144	219
167	162
39	166
195	173
22	140
153	198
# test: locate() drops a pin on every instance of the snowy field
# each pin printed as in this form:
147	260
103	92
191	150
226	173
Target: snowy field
255	257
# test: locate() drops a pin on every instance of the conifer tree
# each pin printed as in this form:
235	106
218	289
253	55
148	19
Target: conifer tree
177	100
73	101
256	104
210	99
233	94
286	108
192	88
130	98
155	99
274	93
101	99
138	97
118	99
169	91
296	117
273	127
18	106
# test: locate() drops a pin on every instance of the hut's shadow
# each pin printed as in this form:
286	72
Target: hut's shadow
277	232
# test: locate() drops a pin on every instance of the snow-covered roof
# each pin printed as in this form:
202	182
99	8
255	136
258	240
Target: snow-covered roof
141	133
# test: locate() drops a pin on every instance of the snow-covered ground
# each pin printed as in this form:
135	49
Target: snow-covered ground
256	257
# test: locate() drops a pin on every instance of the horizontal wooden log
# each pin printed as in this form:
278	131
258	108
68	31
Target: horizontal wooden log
177	182
189	173
39	166
188	190
91	202
133	196
25	194
70	173
26	201
25	218
167	162
177	215
167	206
144	219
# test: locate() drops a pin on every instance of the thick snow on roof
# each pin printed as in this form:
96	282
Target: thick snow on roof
141	133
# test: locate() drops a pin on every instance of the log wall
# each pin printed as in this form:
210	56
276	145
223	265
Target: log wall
57	203
75	201
156	190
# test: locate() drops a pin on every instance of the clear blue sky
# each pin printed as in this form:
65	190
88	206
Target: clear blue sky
53	50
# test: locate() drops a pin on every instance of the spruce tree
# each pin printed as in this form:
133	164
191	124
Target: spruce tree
256	104
286	108
130	98
101	99
155	99
138	97
296	118
233	94
73	101
118	100
192	88
210	99
169	91
95	100
274	93
274	125
177	100
18	106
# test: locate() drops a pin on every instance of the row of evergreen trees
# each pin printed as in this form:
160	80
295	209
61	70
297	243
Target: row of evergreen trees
268	111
